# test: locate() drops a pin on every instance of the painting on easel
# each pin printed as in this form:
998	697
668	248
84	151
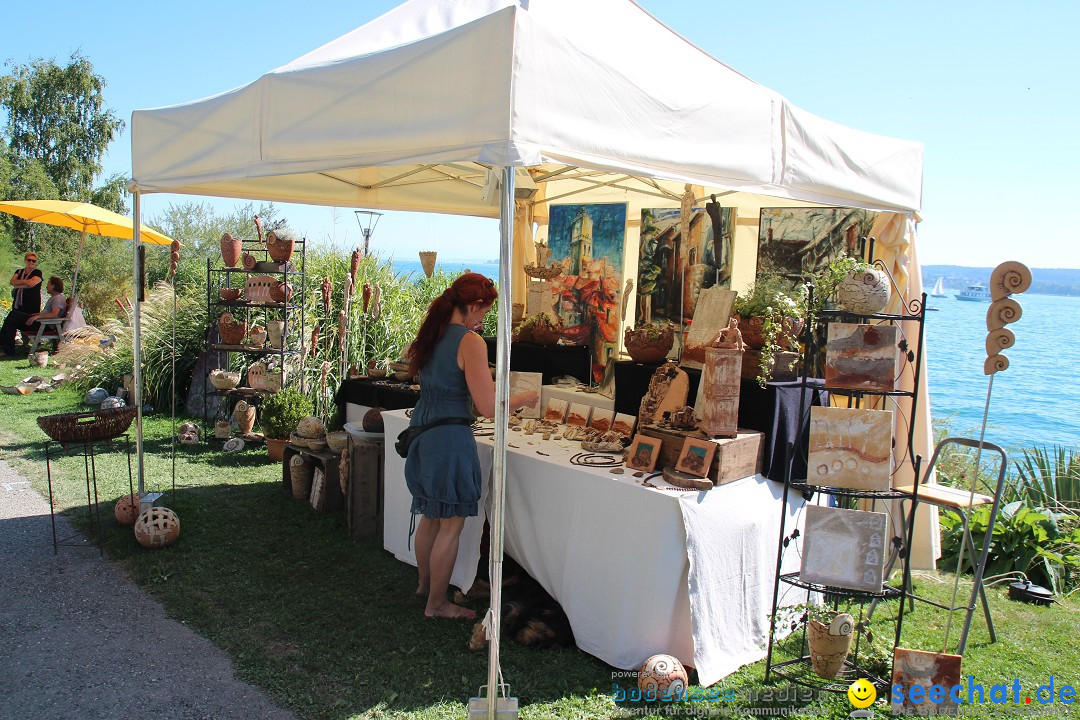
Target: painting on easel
672	271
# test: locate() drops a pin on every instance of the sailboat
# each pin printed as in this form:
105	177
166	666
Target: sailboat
939	288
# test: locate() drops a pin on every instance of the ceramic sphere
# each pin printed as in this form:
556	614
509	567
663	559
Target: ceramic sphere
662	677
158	527
126	509
864	292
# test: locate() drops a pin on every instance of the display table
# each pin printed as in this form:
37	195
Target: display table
364	394
637	570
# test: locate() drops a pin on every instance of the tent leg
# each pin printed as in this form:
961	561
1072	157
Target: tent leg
495	686
136	374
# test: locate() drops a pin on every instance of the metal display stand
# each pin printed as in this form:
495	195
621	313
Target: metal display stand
798	669
93	507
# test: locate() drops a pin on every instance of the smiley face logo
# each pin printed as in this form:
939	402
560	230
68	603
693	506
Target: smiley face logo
862	693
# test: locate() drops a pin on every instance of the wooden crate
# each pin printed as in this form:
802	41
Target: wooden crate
736	458
364	488
330	498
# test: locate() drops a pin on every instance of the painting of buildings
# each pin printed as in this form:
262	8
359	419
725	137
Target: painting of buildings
588	240
799	242
672	271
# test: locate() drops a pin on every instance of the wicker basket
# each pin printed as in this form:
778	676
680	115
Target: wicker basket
87	427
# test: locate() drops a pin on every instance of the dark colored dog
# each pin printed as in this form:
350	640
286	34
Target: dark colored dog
529	614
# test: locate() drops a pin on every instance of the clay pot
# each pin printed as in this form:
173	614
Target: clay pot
275	448
230	331
281	292
230	294
244	415
517	311
230	250
864	292
645	346
249	262
300	475
427	261
257	336
750	328
274	330
280	246
827	652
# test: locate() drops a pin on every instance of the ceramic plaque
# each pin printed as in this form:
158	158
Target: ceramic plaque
862	357
850	448
525	381
926	669
844	548
602	419
624	424
555	410
578	414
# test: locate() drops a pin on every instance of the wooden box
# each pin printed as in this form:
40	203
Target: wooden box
364	488
329	498
736	458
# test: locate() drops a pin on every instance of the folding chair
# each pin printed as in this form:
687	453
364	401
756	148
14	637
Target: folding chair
963	503
52	328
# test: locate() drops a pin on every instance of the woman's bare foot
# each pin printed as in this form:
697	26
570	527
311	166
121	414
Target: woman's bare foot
450	611
421	591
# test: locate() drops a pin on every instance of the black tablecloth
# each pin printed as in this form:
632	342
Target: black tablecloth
551	361
374	394
772	410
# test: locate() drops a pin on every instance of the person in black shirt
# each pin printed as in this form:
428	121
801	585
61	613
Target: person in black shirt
27	323
26	286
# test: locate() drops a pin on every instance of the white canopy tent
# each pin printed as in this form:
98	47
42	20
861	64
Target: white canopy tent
441	105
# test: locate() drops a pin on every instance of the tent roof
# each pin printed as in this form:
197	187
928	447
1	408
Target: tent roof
410	110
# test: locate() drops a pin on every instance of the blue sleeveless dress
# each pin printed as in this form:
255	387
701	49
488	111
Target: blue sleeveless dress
442	470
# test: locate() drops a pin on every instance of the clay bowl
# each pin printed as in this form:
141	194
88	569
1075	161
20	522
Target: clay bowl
402	376
337	440
224	379
230	294
376	372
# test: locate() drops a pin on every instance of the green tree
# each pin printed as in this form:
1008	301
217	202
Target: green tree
57	123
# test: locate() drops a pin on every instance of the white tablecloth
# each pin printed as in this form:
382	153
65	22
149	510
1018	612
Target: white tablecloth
639	571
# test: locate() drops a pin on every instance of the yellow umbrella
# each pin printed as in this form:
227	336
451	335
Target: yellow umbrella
85	217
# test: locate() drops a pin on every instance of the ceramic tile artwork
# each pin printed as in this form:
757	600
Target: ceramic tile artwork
644	452
862	357
624	424
555	410
696	457
602	419
525	381
918	667
844	548
850	448
578	414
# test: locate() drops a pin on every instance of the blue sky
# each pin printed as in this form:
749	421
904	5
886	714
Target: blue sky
989	88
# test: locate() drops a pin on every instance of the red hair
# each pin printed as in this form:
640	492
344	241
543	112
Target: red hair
469	288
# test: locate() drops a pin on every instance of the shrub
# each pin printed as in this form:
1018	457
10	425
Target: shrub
282	411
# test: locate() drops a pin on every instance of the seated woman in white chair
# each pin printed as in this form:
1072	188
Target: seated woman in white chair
55	307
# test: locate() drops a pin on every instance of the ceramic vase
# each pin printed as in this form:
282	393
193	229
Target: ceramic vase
244	415
230	250
864	292
427	261
827	652
274	330
280	246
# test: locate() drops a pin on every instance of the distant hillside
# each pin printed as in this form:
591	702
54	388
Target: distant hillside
1044	281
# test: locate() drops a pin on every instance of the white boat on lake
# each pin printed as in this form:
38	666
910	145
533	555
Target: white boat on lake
974	293
939	288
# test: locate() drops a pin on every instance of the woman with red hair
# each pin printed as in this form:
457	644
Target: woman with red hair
442	469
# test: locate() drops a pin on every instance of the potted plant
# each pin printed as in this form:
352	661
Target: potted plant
542	329
281	412
771	316
830	631
649	342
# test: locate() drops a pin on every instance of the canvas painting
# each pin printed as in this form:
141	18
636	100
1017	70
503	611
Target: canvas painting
587	240
672	270
578	414
523	382
602	420
643	454
799	242
844	548
850	448
926	669
862	357
696	457
624	424
555	410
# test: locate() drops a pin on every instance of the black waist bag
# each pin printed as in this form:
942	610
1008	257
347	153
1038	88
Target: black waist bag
406	436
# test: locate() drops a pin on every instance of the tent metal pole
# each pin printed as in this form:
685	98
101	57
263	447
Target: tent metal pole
78	262
502	405
136	383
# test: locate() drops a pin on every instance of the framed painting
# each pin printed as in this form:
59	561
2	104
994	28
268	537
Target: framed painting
588	240
850	448
799	242
844	548
696	457
644	452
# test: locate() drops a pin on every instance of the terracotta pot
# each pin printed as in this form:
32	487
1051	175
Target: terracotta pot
281	292
244	415
300	473
864	292
230	331
644	346
230	250
275	448
280	247
827	652
274	330
751	329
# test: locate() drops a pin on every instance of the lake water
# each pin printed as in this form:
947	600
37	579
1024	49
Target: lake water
1034	402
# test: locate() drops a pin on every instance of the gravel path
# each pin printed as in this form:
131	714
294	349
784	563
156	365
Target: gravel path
80	640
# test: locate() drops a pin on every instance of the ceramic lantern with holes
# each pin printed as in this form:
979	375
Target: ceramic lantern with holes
158	527
127	509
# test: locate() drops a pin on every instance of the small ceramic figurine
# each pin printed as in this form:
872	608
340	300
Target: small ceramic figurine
730	338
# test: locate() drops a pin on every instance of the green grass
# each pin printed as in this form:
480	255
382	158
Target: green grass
328	626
